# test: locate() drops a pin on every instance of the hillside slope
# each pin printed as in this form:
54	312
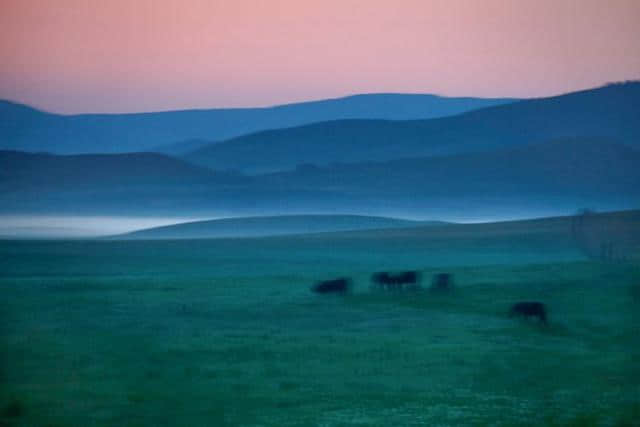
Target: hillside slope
27	129
612	111
554	177
267	226
41	171
571	167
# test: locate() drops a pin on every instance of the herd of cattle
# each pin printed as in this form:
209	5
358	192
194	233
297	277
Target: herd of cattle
383	280
410	280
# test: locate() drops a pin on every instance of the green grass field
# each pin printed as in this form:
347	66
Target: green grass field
226	332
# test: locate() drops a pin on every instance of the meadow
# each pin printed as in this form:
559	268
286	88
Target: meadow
227	332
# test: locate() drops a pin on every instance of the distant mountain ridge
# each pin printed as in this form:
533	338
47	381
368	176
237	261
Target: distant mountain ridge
611	111
28	129
570	166
555	177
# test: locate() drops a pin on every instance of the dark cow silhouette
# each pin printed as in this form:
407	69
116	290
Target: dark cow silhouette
442	282
380	279
389	281
335	286
529	309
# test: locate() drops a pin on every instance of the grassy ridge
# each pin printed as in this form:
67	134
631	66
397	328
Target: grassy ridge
269	226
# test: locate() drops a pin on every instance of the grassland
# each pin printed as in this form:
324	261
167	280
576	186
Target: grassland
226	332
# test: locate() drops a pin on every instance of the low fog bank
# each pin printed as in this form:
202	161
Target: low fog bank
76	226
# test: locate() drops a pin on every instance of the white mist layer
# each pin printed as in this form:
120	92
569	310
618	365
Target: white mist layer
33	226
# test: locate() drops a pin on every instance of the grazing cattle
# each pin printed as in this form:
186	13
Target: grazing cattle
395	281
442	282
380	280
529	309
335	286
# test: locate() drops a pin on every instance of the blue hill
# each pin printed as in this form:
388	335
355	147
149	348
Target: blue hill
555	177
611	112
27	129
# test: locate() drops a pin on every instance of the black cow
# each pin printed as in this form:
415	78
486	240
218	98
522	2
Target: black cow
395	281
529	309
441	282
335	286
380	279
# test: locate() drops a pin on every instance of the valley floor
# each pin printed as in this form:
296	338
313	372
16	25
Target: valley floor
190	333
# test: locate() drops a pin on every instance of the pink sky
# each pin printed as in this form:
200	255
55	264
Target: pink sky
140	55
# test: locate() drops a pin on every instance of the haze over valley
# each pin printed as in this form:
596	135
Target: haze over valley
528	158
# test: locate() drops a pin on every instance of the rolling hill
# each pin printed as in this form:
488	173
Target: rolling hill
42	171
569	167
611	111
608	236
546	236
173	132
109	184
267	226
551	178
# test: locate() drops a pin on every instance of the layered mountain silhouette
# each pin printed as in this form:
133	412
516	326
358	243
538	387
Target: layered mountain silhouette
568	166
554	177
542	156
174	132
611	111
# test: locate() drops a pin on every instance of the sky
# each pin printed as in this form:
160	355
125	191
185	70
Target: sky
80	56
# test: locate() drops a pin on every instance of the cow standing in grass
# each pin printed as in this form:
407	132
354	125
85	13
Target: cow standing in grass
380	280
529	309
395	282
335	286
